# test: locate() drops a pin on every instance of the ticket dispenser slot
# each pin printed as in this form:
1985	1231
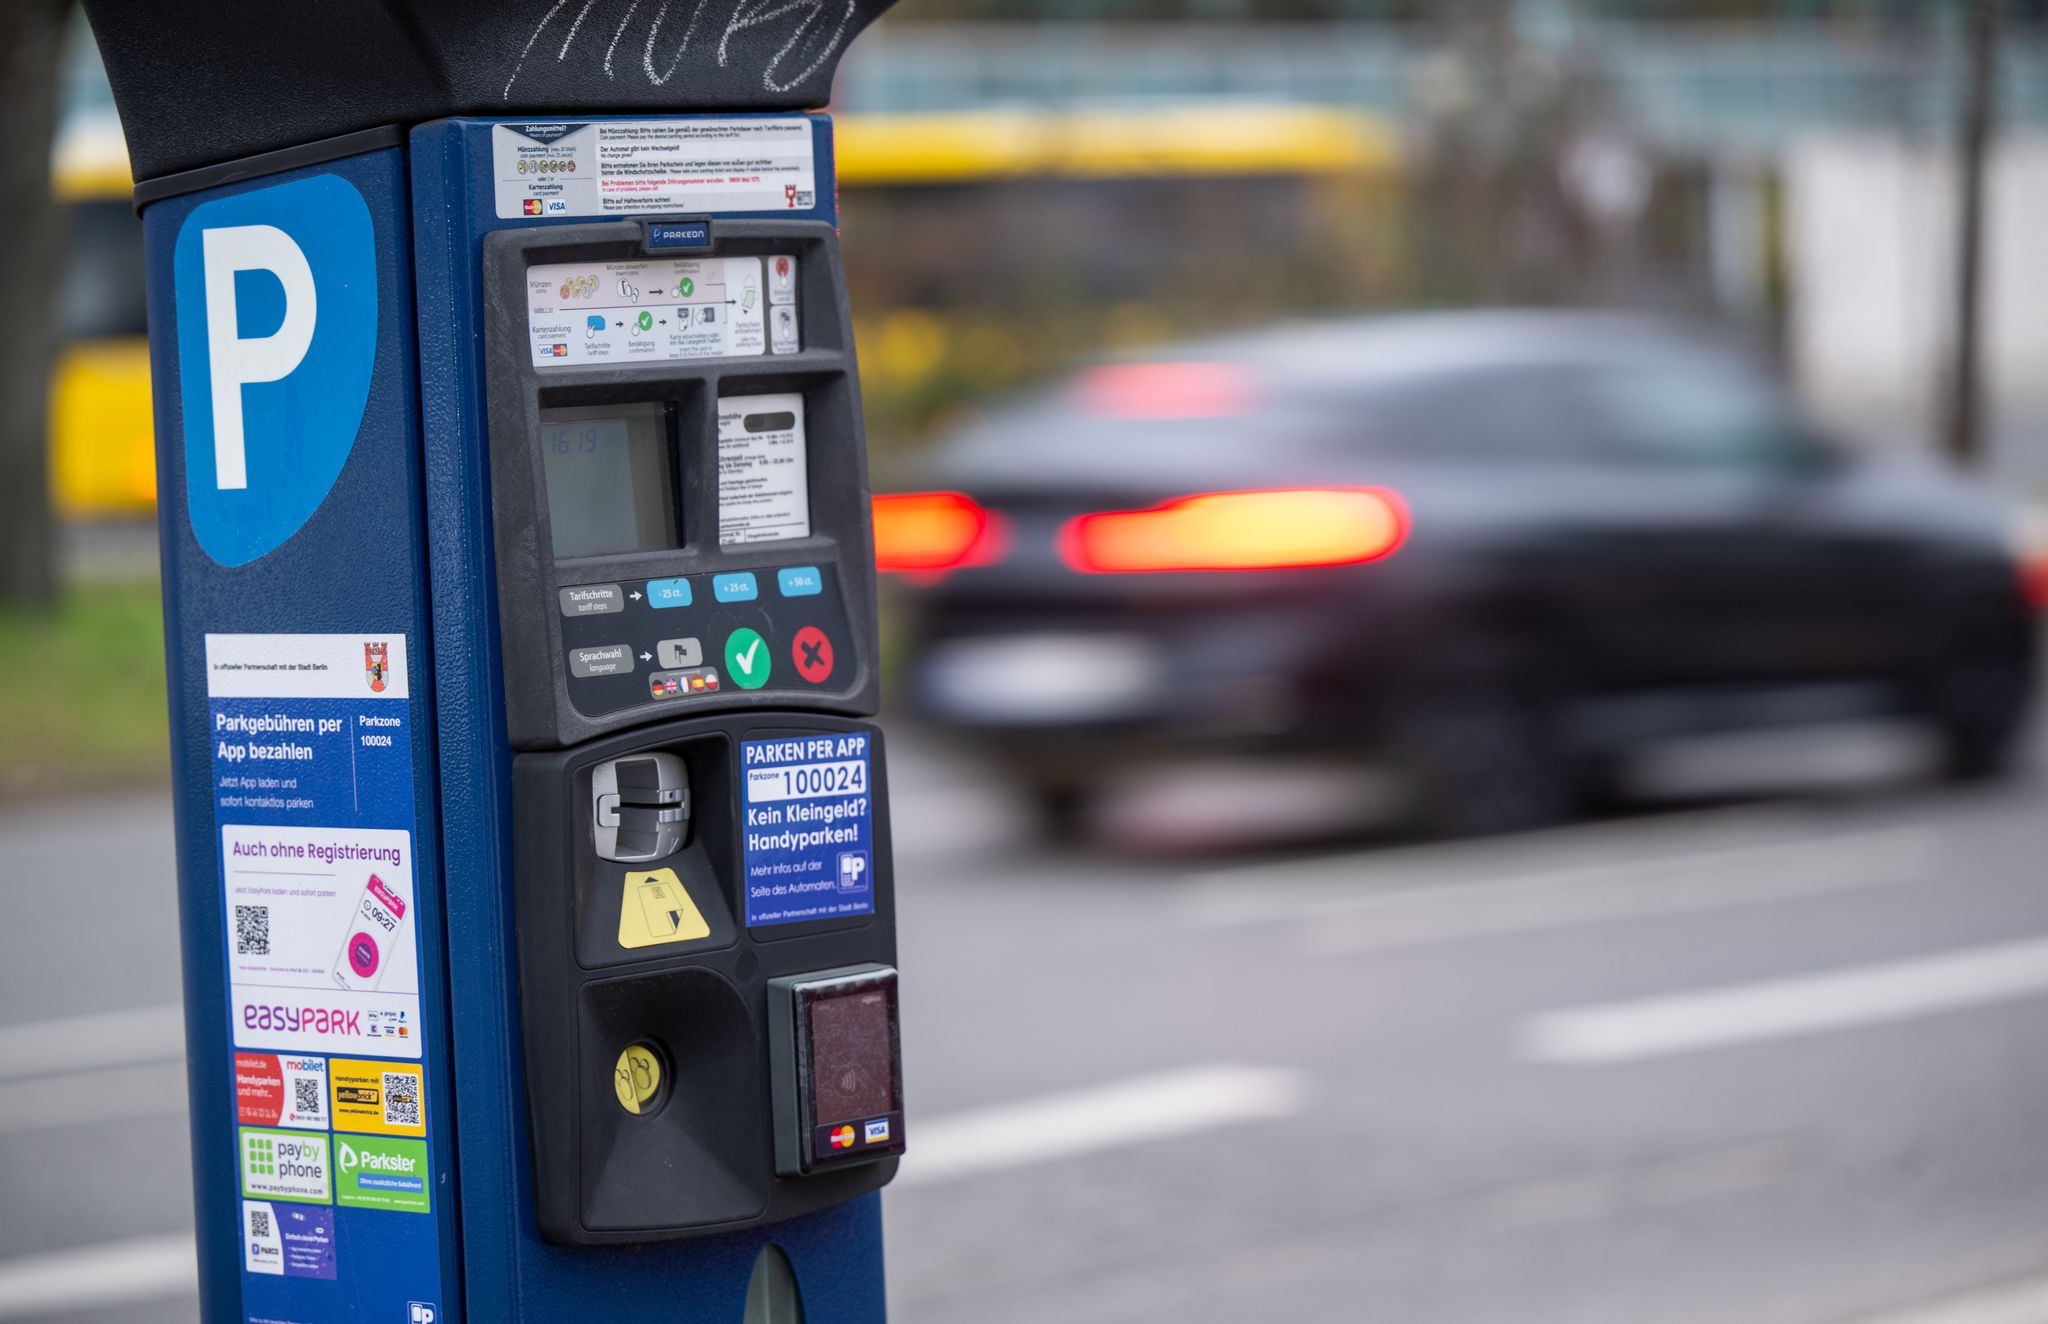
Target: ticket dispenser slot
685	590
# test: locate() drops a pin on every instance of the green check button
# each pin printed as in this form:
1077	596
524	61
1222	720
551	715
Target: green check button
747	659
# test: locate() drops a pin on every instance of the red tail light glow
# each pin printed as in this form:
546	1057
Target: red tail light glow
1285	529
932	532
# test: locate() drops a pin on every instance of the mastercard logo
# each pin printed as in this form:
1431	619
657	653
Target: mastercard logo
842	1137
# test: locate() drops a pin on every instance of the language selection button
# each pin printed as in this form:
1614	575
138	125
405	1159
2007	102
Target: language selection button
680	653
747	659
592	600
603	660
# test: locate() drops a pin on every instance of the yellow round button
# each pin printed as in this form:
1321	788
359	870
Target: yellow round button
636	1079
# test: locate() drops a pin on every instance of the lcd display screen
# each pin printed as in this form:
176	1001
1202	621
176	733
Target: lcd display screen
608	479
853	1055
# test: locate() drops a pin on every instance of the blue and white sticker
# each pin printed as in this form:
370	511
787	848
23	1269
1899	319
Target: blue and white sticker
810	851
277	340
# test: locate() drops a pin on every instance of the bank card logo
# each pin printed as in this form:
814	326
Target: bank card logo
530	206
277	338
878	1131
842	1137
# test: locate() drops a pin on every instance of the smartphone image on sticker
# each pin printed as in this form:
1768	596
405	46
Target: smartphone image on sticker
372	933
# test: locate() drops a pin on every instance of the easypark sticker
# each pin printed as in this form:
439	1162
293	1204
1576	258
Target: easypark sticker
381	1098
288	1090
285	1165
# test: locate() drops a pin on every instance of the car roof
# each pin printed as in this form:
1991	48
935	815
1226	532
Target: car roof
1402	349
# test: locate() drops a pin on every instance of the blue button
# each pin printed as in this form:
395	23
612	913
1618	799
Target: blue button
735	587
800	581
668	592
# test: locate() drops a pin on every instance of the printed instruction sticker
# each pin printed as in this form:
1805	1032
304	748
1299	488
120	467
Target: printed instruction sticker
648	311
373	1172
764	492
312	760
286	1090
809	839
285	1165
623	167
262	1243
383	1098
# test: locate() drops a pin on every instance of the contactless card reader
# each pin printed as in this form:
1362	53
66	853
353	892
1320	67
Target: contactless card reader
705	902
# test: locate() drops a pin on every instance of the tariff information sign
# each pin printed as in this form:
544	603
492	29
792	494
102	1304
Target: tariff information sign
809	832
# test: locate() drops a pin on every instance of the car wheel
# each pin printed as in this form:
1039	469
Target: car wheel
1979	706
1485	765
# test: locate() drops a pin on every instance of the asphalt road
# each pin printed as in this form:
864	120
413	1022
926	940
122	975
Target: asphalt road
1768	1062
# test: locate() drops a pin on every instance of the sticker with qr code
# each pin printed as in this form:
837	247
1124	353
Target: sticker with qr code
281	1089
377	1098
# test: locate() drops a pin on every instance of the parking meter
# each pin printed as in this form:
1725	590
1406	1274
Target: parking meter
535	877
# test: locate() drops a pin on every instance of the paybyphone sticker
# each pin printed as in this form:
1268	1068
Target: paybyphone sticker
809	835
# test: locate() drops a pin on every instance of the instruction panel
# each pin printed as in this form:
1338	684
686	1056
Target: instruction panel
622	167
809	839
659	310
313	801
764	492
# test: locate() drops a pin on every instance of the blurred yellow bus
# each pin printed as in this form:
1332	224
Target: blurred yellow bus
102	453
102	463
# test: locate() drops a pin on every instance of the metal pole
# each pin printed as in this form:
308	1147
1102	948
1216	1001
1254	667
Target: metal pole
1965	422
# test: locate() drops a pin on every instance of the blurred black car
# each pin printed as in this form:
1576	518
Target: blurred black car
1504	549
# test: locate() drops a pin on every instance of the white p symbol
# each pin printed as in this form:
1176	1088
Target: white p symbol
235	361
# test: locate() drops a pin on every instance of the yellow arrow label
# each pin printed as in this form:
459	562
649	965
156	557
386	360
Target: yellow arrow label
654	909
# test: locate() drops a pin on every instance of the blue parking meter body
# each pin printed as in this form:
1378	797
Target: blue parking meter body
535	888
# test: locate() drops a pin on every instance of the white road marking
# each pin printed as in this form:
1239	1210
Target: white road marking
79	1043
1784	1008
2012	1303
78	1098
1340	885
1600	894
1136	1111
113	1273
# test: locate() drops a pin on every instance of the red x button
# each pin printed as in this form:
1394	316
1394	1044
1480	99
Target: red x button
812	653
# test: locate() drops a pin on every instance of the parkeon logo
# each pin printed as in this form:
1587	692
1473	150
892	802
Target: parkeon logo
277	340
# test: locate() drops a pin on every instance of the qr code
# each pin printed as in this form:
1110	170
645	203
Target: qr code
259	1223
252	930
307	1096
401	1099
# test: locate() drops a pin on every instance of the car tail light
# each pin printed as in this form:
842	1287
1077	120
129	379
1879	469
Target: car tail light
1166	390
933	532
1273	530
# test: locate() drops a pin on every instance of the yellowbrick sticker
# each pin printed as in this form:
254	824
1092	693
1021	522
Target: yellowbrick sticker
376	1098
654	909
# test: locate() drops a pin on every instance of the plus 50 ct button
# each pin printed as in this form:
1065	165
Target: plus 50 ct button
800	581
738	586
